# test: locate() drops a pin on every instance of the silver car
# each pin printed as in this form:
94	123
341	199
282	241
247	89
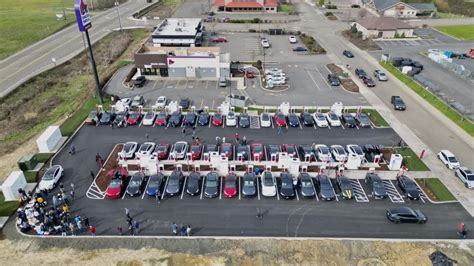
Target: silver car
179	150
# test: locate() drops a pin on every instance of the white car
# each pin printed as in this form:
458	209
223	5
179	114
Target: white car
356	150
179	150
129	149
333	119
265	120
274	71
149	118
161	102
268	184
51	177
320	119
276	76
146	149
292	39
231	119
466	176
322	152
339	153
126	101
277	81
448	159
265	43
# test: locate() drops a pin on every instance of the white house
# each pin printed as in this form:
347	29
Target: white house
398	9
383	27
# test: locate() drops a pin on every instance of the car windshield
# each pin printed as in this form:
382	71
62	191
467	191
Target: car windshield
333	116
226	148
306	184
286	184
211	183
280	116
49	175
320	117
135	183
149	115
349	118
257	148
92	114
248	183
161	148
218	116
470	177
154	182
127	147
134	115
357	150
179	147
265	117
324	150
340	150
174	181
244	118
195	148
162	115
268	181
145	147
230	183
161	100
377	184
452	159
114	183
324	181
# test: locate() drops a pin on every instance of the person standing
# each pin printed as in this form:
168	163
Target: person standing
65	198
188	230
127	213
174	228
61	187
279	130
85	220
72	194
183	131
120	230
158	197
136	226
72	150
92	175
236	137
55	202
147	136
72	186
72	228
244	140
183	231
92	230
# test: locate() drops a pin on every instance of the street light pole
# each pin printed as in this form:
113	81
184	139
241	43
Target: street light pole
64	11
118	13
94	68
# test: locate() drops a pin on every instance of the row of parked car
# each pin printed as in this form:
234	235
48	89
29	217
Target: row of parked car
465	174
253	152
275	76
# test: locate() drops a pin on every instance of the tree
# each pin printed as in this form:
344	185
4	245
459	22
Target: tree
321	2
354	28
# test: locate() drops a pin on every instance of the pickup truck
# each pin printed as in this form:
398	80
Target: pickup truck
398	103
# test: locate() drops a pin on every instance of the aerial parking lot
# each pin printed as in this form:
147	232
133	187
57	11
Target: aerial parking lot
313	208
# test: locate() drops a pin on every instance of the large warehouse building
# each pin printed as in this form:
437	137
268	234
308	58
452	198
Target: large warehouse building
186	62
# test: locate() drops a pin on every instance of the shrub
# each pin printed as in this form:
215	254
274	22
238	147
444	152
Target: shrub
252	30
331	7
327	14
256	20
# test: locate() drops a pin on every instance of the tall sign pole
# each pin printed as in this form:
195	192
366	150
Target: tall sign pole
84	23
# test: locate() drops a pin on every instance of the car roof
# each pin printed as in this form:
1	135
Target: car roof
447	153
404	210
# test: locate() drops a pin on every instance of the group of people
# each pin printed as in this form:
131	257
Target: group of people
48	213
184	231
462	230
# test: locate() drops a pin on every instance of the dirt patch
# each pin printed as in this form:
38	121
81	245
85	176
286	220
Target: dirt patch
166	9
313	46
349	85
356	39
103	179
335	69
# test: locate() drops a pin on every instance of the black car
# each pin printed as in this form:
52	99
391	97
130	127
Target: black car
287	190
348	120
398	103
409	187
293	120
363	120
378	190
333	80
307	150
175	119
203	119
307	119
242	150
326	191
139	81
273	150
135	185
154	184
244	120
348	54
121	118
360	72
299	49
211	187
106	118
370	151
368	81
345	186
174	183
248	185
192	187
189	119
406	215
185	103
210	147
306	186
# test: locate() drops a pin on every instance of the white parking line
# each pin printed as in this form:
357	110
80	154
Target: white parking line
296	193
342	126
164	190
276	188
314	81
144	191
301	127
357	127
202	186
220	191
315	127
184	186
210	120
223	121
240	188
314	188
329	127
125	191
325	79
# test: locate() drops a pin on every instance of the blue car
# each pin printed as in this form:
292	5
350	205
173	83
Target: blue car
154	184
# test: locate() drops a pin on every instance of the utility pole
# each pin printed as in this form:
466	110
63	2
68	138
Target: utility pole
94	68
64	10
118	14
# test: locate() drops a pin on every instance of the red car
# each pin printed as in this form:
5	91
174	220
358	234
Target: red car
162	151
217	120
250	74
117	184
257	152
227	150
195	150
290	149
230	186
134	118
280	119
219	39
161	119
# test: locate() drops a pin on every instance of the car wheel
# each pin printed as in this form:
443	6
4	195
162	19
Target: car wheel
447	165
397	221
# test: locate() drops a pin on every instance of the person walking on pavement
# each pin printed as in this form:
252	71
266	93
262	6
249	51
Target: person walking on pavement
259	214
120	230
130	228
65	198
92	230
158	197
136	226
72	194
183	231
236	137
127	213
147	136
61	187
174	228
183	131
279	130
92	175
72	186
188	230
244	140
72	150
72	228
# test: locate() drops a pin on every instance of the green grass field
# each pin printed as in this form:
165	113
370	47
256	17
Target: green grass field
411	160
463	32
439	190
286	8
7	208
439	104
448	15
25	22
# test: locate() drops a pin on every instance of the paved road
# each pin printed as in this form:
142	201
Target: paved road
62	46
421	125
442	22
234	217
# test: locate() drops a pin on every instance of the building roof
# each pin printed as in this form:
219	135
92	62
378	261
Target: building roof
246	3
181	51
177	27
384	4
383	23
423	6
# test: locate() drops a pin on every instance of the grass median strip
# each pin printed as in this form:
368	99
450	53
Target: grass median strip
7	207
435	189
463	32
443	107
411	160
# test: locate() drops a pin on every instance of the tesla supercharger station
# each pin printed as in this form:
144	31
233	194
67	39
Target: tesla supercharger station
353	162
193	109
340	170
285	108
304	169
377	159
240	158
232	168
161	168
268	168
319	110
206	108
245	110
322	169
206	156
337	108
274	158
307	158
179	167
249	168
140	108
189	156
395	162
196	168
